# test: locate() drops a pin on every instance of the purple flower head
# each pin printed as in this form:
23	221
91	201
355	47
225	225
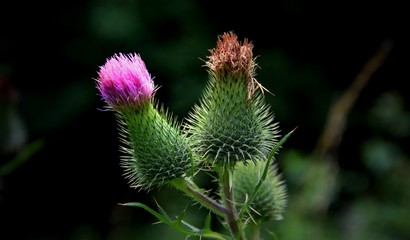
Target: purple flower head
124	81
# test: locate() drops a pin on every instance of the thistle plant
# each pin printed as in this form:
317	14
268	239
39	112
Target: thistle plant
231	132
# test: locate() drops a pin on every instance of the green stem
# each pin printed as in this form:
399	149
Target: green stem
255	230
225	176
187	186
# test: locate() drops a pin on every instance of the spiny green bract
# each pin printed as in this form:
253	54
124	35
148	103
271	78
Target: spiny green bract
270	201
157	152
227	126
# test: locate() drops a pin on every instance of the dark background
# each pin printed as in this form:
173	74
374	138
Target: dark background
59	159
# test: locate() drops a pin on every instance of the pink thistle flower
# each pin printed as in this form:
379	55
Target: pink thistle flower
124	81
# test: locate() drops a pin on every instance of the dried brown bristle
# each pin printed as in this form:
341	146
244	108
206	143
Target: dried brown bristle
236	59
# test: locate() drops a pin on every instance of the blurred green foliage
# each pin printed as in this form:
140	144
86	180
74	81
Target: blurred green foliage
59	173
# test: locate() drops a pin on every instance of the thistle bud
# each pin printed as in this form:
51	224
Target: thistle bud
156	152
232	122
270	201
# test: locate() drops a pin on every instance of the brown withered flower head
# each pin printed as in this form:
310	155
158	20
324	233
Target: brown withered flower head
232	58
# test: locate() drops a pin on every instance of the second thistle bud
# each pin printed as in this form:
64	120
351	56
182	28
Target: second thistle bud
156	151
232	123
270	201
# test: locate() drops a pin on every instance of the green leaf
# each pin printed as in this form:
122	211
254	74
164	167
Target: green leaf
178	224
161	210
23	155
160	217
181	216
207	225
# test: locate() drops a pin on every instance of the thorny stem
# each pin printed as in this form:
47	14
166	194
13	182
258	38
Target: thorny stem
192	190
232	219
